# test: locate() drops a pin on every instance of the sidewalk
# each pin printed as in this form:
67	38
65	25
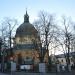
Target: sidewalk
27	73
4	74
60	73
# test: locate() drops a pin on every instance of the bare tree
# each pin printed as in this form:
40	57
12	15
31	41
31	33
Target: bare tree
66	37
6	31
47	28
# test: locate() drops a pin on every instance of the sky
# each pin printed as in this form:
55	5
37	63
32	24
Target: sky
17	8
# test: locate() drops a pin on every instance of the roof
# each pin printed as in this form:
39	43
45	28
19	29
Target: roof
62	55
26	28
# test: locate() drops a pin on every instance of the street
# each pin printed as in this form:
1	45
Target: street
4	74
24	73
62	73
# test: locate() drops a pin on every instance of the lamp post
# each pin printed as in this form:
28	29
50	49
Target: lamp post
11	61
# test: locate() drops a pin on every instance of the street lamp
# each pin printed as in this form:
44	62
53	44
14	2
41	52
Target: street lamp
11	61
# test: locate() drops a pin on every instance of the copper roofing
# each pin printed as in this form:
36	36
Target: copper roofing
26	28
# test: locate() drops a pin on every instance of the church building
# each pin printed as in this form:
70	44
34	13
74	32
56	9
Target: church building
27	44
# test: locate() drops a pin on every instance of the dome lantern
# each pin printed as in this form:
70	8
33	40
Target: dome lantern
26	17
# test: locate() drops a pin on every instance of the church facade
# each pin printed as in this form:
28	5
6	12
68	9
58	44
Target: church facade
27	44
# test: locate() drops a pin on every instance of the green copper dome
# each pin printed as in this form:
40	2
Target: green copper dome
26	28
